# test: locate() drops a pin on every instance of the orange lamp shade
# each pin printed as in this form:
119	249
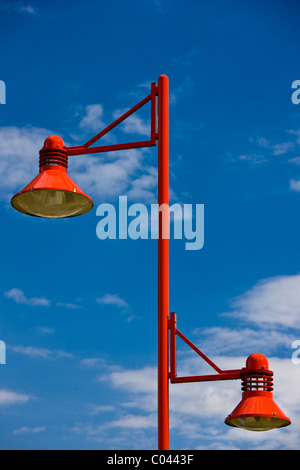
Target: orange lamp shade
257	411
52	194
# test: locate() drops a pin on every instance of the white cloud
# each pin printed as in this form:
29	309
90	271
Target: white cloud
253	158
225	340
91	362
135	380
114	174
283	148
274	301
277	149
134	124
19	163
93	118
295	160
295	185
132	421
144	186
28	9
18	296
44	353
17	7
32	351
94	362
8	397
45	330
68	305
265	150
96	409
112	299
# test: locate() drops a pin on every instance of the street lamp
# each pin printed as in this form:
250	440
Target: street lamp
53	194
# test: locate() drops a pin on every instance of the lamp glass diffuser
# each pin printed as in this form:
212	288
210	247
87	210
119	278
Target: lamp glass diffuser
52	203
258	423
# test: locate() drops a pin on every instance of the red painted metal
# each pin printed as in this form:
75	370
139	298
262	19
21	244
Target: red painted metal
52	180
154	94
86	148
163	263
200	353
257	410
109	148
221	375
162	92
257	379
173	363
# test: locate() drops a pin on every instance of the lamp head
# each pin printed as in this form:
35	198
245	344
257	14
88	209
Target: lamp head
52	194
257	411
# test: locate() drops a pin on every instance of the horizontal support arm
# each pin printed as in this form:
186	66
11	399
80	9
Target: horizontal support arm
224	375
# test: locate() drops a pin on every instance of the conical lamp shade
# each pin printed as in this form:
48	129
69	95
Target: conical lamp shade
52	194
257	411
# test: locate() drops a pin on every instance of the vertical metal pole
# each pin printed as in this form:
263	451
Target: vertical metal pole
163	262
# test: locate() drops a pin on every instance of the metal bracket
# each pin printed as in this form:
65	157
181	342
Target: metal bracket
87	149
221	375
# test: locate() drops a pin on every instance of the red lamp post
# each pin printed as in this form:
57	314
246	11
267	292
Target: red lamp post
53	194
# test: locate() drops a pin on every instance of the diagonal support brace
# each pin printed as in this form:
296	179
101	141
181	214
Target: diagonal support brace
86	148
221	374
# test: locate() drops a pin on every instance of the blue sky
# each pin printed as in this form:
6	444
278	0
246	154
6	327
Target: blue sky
78	315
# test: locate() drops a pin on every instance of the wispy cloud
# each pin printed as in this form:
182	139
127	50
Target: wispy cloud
7	397
274	301
93	118
263	150
26	430
17	7
295	185
19	297
182	90
35	352
96	409
134	124
28	9
277	149
219	340
253	158
112	299
19	149
45	330
32	351
68	305
117	174
92	362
